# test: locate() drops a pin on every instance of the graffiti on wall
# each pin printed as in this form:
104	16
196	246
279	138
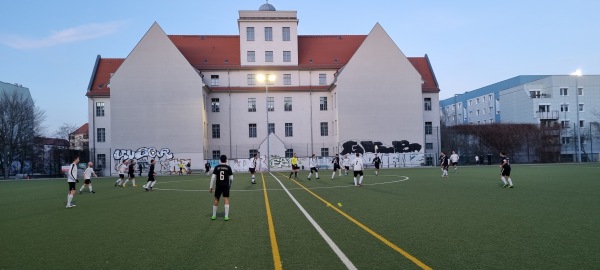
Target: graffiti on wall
356	146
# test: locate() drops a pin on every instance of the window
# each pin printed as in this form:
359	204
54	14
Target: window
251	56
429	146
483	98
580	107
101	160
268	33
271	104
251	104
491	97
477	112
566	140
322	79
324	152
484	111
491	110
252	152
249	33
470	102
427	104
564	92
285	32
99	108
580	91
323	103
324	129
491	121
252	130
565	124
287	79
287	104
214	80
214	104
581	123
216	154
101	135
268	56
251	79
287	56
289	130
216	131
271	128
477	101
289	153
564	107
428	128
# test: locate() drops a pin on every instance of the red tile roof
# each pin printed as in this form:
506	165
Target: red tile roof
223	52
423	66
82	130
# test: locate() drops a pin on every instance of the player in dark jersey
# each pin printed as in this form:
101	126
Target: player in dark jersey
444	163
223	175
131	173
377	163
336	166
505	170
151	180
207	167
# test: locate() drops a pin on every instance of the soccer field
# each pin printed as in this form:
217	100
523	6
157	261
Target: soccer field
401	219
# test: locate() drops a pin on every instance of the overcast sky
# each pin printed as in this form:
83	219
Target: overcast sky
50	46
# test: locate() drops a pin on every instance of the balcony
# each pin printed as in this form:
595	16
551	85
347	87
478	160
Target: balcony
551	115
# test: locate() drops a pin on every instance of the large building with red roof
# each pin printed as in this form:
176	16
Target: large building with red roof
195	97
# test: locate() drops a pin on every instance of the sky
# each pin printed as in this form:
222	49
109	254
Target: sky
50	47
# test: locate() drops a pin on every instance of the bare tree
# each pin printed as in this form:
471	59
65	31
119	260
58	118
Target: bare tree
64	131
20	122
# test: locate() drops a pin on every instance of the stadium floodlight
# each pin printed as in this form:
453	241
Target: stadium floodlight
268	79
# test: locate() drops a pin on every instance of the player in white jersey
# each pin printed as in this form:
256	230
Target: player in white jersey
87	177
358	170
312	164
72	180
346	164
454	160
254	162
121	170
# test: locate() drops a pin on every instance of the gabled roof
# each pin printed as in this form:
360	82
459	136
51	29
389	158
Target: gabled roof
219	52
84	129
422	65
51	141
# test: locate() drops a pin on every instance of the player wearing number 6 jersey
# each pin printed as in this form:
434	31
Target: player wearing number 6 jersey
358	170
223	175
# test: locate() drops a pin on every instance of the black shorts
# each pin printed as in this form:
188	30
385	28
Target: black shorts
376	166
445	166
222	190
295	167
314	169
132	175
336	167
150	178
122	176
252	170
505	172
87	181
454	163
72	186
347	168
357	173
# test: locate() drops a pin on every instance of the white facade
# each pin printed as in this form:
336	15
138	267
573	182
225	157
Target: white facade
161	97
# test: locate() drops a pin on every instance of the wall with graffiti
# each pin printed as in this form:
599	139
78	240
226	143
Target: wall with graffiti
164	158
389	160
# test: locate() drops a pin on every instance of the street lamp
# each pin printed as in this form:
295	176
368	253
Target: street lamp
577	74
267	78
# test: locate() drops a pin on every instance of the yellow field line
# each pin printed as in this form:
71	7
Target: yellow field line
274	246
367	229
